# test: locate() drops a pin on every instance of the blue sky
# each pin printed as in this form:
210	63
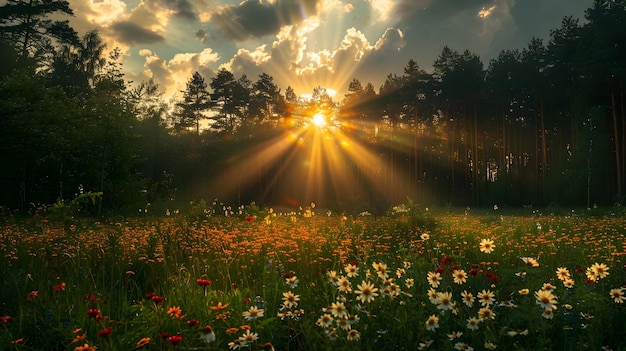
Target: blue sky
309	43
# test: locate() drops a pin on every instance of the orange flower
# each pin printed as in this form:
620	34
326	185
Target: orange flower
175	312
5	319
142	342
17	341
219	306
232	330
79	338
85	347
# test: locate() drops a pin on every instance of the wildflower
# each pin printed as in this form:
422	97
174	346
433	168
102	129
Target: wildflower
468	298
344	285
85	347
93	313
562	273
548	286
454	335
338	310
79	338
434	279
486	245
175	312
253	313
486	313
354	335
424	344
432	296
381	270
547	313
105	332
292	281
220	306
142	342
600	270
32	295
157	299
517	332
17	341
325	320
568	306
332	277
432	323
460	276
290	299
175	339
203	282
444	301
232	330
532	262
59	287
366	291
425	236
192	322
234	345
472	323
490	346
523	292
546	299
462	346
486	297
248	337
617	295
351	270
409	282
568	283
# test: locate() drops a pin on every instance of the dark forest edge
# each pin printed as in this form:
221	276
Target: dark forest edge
539	127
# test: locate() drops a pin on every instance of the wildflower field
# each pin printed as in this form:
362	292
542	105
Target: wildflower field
253	279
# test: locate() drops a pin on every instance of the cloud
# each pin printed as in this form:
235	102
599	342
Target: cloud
174	74
254	18
132	34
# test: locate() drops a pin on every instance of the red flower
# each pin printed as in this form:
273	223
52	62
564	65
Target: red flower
105	332
93	312
5	319
246	300
149	295
58	287
32	295
157	299
175	339
164	335
473	271
249	218
235	285
590	281
193	322
203	282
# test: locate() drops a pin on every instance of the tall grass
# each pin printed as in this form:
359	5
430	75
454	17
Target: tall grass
263	280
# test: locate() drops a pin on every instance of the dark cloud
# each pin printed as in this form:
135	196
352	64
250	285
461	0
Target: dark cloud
182	8
132	34
253	18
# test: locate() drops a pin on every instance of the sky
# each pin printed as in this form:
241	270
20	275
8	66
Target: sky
303	44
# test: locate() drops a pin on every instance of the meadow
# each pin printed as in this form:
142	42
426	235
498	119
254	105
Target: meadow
253	279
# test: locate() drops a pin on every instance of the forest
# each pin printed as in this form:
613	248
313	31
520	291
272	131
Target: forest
542	125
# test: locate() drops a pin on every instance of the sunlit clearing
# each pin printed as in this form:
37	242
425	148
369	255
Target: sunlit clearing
319	120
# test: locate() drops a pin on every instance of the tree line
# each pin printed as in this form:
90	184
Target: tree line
536	126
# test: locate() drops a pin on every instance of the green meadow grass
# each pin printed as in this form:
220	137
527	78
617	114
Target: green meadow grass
300	281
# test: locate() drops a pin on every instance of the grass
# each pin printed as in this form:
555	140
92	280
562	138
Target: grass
260	280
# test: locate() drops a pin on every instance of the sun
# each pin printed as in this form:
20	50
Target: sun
319	120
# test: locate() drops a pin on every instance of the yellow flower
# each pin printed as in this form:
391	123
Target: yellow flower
366	291
468	298
444	301
290	299
617	295
253	313
546	299
486	297
354	335
523	292
351	270
600	270
460	276
432	323
562	273
486	246
338	310
485	313
434	279
532	262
